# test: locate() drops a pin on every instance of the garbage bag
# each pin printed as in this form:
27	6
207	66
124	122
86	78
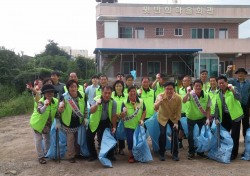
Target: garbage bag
120	132
82	141
183	121
52	152
141	151
247	146
204	139
222	153
108	142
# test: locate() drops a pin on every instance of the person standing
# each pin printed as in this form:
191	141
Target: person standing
212	92
197	112
168	105
204	79
73	76
90	90
103	82
55	76
103	115
72	109
158	84
230	111
41	121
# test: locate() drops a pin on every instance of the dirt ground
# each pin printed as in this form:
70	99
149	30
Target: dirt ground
18	157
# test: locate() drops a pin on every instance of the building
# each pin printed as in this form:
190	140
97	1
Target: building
171	38
74	52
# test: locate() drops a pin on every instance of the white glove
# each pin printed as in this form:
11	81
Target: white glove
175	126
207	122
230	86
141	122
46	102
113	130
99	101
160	98
124	109
61	104
139	91
189	89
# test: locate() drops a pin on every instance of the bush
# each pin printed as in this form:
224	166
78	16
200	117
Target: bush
22	104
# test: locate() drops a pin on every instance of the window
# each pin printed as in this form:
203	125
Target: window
178	68
159	32
128	66
223	33
153	68
139	32
126	32
200	33
178	32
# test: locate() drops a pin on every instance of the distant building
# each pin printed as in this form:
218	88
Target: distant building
74	52
171	38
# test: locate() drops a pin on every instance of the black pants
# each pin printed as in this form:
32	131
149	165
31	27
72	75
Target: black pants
91	137
245	120
163	140
234	127
191	124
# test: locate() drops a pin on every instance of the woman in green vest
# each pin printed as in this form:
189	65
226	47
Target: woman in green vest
133	113
41	121
72	108
119	97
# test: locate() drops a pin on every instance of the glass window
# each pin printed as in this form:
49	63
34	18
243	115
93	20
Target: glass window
128	66
159	31
211	33
153	68
139	32
126	32
223	33
199	33
194	33
203	33
178	32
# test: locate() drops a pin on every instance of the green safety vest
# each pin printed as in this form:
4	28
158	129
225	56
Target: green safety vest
159	89
233	105
212	96
192	111
119	101
206	86
98	92
95	118
38	121
67	113
182	93
133	123
148	99
80	88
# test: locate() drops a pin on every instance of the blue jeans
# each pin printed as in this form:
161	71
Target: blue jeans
191	124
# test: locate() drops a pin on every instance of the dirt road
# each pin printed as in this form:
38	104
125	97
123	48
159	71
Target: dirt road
18	157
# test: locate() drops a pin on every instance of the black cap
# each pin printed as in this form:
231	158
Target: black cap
241	70
48	87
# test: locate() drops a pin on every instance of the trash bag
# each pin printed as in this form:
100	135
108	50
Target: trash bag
204	139
196	134
247	146
223	153
153	130
52	152
108	142
141	151
183	121
82	141
168	137
120	132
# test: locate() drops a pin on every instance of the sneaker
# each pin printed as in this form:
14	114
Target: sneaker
175	158
131	159
233	157
190	156
112	158
162	158
202	155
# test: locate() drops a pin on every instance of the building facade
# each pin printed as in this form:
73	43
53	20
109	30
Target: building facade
175	39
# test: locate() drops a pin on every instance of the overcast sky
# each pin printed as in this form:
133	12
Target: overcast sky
27	25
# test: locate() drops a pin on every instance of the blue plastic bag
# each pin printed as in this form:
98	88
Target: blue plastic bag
133	73
108	142
204	139
247	146
222	154
120	132
168	137
52	152
196	134
183	121
82	141
141	151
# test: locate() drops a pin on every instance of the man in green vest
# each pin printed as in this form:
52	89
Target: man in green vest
73	76
103	115
212	92
204	79
129	83
168	105
230	111
148	96
197	112
158	84
103	82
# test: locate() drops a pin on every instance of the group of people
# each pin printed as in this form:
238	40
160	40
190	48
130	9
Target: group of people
134	105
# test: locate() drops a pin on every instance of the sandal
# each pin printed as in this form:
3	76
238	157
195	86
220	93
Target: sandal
42	161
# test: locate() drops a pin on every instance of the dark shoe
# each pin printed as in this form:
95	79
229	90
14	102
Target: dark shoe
175	158
72	160
233	157
92	158
81	157
112	158
243	154
131	159
121	152
190	156
162	158
42	161
180	145
202	155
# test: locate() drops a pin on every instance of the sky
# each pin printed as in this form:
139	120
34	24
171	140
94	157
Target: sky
27	25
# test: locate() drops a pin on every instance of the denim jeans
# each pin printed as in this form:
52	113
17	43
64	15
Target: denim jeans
191	124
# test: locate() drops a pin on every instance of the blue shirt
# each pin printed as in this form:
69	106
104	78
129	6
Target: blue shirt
90	92
243	88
